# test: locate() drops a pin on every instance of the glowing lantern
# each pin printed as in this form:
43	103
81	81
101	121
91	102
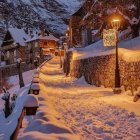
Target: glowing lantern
116	24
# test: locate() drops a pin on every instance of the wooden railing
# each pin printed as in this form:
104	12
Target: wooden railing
19	125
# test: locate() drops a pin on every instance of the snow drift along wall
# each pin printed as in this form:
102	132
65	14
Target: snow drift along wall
100	70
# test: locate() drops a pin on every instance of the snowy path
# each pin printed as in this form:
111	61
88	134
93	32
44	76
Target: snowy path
78	108
93	119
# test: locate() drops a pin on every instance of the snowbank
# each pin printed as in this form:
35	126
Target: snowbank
8	126
128	50
71	109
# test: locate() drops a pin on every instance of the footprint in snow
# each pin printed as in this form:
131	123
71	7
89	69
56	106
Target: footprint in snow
110	123
88	122
97	130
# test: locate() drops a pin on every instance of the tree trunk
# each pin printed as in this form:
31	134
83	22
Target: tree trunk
7	107
21	82
135	30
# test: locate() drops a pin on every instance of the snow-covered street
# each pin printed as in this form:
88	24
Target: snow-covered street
71	109
70	70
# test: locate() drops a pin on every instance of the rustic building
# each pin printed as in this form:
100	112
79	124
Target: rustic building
40	45
86	25
77	32
13	45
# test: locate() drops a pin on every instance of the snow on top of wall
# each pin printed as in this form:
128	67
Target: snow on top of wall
129	55
128	50
19	35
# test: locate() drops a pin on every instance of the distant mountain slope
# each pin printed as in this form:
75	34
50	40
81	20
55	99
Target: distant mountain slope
37	13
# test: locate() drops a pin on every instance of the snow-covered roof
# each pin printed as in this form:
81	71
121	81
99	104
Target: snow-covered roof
41	37
35	86
31	101
19	35
35	80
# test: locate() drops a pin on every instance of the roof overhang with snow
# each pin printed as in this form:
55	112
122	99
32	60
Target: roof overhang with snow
49	37
19	36
15	37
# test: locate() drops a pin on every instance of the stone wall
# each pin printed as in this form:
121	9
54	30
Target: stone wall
100	70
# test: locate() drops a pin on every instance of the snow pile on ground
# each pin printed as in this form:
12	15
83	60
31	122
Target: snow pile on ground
71	109
31	101
14	81
80	81
128	50
7	126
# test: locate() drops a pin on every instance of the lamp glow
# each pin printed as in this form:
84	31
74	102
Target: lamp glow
116	24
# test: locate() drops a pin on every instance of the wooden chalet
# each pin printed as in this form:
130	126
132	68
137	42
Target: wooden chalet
13	45
40	45
81	30
76	31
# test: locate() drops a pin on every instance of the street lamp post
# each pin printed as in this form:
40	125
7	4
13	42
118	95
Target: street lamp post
117	89
65	49
21	82
60	57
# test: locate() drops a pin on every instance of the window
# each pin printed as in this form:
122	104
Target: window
45	43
